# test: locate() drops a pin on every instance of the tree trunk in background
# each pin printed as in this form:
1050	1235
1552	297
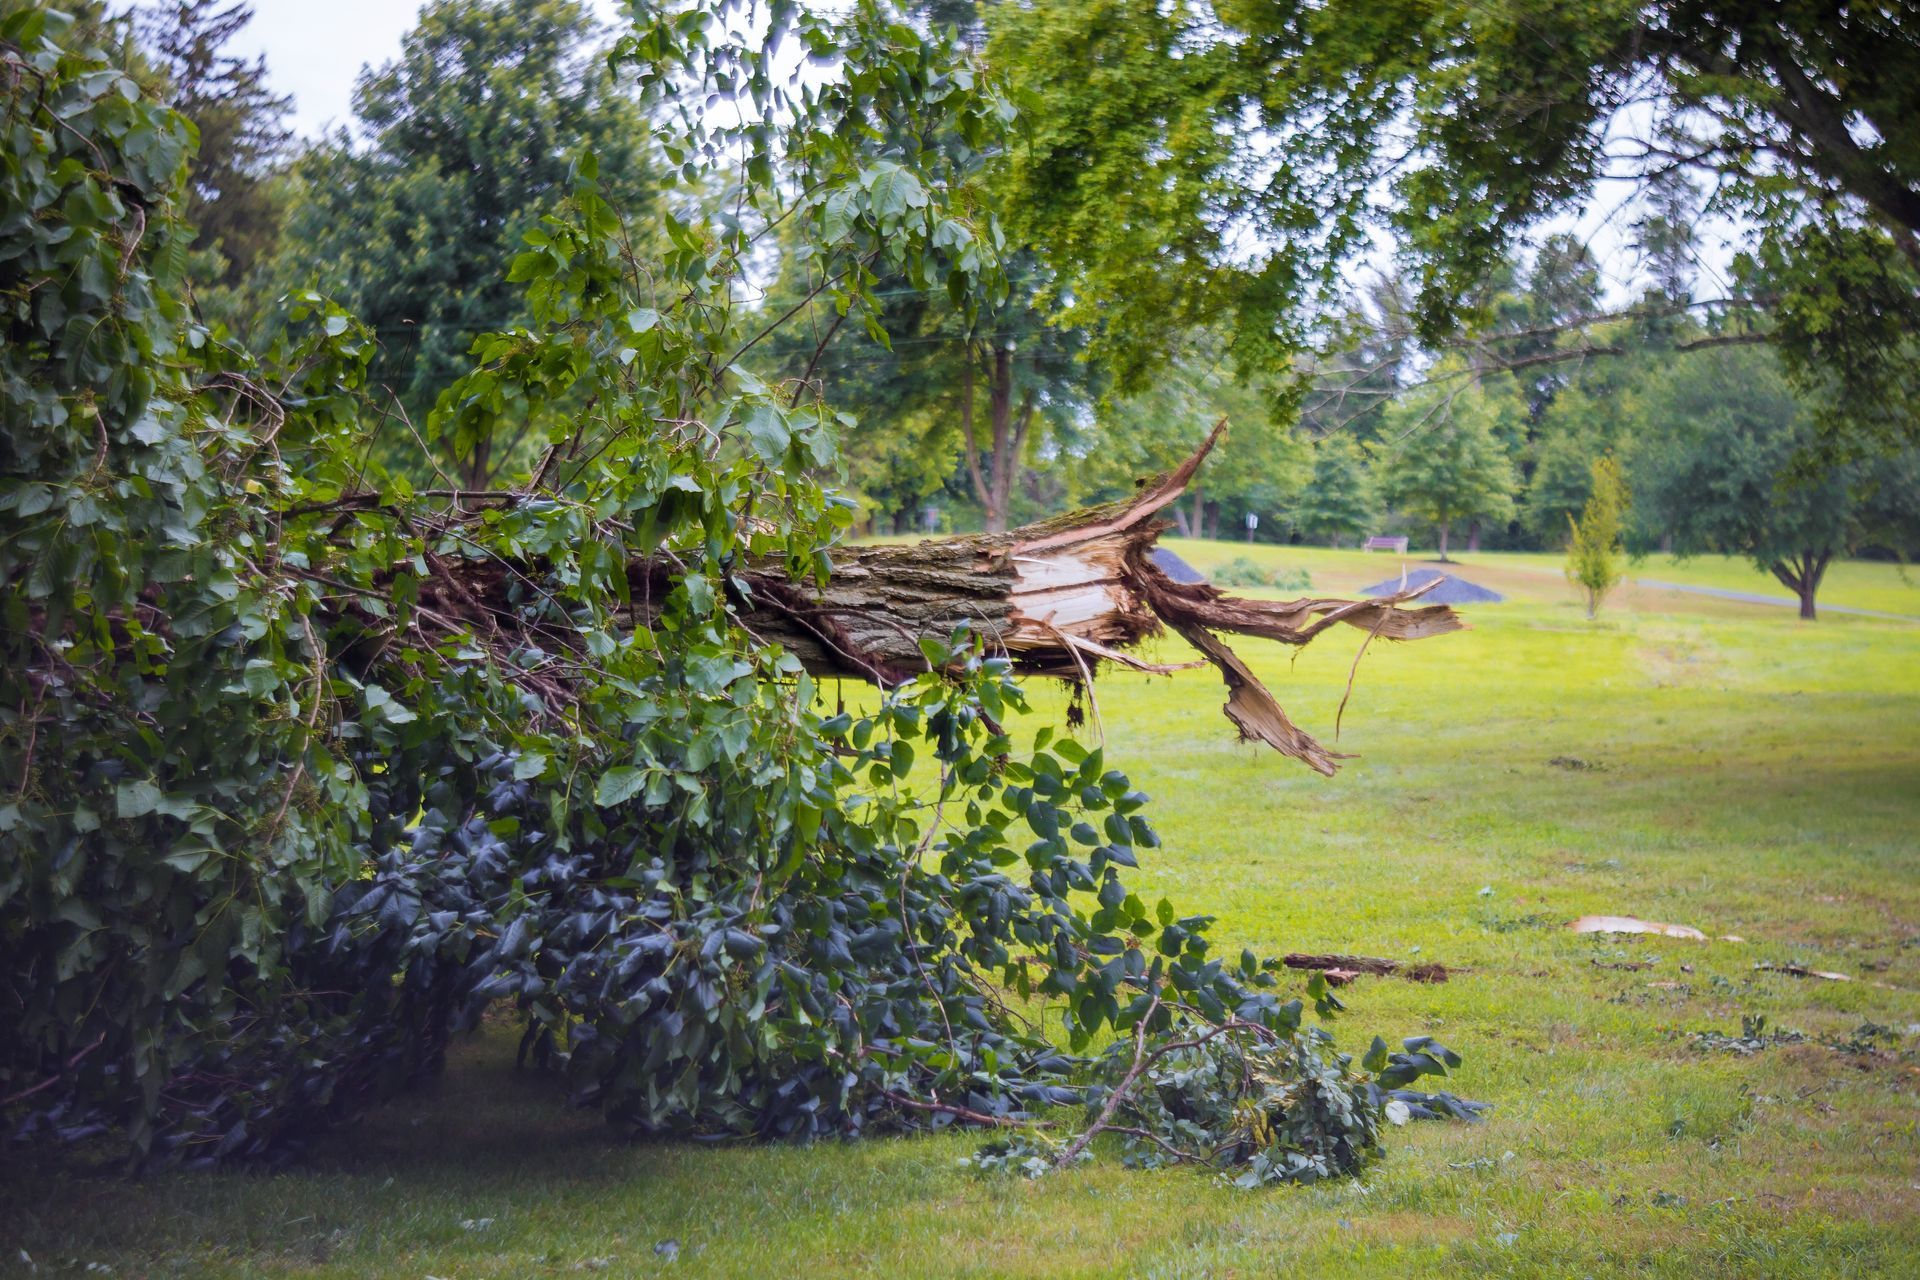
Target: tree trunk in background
1008	444
1473	537
1802	576
1443	542
1213	520
476	470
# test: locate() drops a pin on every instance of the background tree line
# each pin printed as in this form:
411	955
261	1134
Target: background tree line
1458	394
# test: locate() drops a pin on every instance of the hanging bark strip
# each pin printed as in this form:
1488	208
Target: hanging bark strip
1058	598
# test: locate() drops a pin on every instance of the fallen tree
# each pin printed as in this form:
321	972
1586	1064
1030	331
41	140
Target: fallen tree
309	766
1058	598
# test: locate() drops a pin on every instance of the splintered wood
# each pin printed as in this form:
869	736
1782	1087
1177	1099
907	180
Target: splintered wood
1058	598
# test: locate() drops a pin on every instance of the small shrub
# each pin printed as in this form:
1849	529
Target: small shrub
1593	554
1241	571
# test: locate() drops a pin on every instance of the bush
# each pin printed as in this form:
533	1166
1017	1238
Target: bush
1241	571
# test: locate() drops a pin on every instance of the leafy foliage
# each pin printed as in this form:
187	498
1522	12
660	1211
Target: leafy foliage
1256	470
1167	139
1449	465
1338	499
1715	470
470	137
1242	571
1272	1111
232	201
308	766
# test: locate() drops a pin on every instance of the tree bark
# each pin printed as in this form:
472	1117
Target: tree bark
1443	542
1473	537
1007	444
1058	598
1802	575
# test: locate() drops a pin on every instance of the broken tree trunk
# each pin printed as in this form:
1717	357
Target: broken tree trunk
1058	598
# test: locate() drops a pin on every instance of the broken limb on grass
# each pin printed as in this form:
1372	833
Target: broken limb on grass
1350	967
1057	598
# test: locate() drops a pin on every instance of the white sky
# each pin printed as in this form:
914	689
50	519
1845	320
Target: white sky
316	48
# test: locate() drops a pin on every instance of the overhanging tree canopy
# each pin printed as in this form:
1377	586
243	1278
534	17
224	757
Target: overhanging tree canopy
1190	162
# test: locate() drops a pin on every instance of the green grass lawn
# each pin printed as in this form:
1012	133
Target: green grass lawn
1720	765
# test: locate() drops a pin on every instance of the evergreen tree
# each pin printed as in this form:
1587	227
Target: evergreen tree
1338	499
231	199
1593	552
1664	236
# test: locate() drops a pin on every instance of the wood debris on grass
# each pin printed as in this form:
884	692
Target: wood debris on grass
1630	924
1342	969
1802	971
1056	598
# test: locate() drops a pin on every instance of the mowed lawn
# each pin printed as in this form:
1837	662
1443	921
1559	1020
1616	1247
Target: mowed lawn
1683	759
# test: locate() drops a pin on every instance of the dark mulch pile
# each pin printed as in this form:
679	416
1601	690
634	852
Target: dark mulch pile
1451	590
1176	568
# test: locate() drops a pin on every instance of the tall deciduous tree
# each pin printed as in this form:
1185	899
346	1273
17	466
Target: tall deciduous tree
1715	470
1448	466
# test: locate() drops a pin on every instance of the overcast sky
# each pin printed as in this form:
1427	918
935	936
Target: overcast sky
315	49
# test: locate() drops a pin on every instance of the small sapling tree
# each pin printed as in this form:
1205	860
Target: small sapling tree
1593	552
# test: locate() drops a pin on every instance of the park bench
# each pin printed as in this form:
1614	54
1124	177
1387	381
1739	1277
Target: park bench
1385	544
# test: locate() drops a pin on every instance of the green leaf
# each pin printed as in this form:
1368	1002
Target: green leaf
136	798
767	428
618	785
893	190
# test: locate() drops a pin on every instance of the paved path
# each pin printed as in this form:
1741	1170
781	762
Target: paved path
1754	597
